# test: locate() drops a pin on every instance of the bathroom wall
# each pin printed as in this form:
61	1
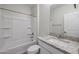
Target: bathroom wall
17	25
34	10
44	16
34	21
57	17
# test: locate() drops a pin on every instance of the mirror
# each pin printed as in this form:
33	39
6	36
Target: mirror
64	21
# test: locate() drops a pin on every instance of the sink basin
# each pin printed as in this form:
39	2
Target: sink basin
51	38
60	40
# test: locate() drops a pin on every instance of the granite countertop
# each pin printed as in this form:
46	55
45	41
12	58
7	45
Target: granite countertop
63	44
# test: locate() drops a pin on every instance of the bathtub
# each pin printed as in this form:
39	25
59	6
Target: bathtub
18	49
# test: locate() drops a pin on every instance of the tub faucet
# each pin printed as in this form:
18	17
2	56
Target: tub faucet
59	36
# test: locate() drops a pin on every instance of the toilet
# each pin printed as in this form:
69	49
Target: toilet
34	49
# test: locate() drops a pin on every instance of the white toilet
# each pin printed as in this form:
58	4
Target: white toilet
34	49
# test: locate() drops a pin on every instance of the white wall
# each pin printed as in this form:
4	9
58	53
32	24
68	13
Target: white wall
34	10
34	21
44	16
57	16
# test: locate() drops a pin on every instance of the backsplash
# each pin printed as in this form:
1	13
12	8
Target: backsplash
66	37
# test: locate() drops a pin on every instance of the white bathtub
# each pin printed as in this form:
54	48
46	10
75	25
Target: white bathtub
18	49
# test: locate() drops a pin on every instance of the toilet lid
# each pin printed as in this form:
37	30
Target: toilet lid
33	48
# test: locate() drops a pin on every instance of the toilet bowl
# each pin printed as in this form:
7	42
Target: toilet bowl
34	49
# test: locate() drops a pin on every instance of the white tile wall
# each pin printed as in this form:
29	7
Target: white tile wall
15	26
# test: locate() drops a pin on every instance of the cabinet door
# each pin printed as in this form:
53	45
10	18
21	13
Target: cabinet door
51	50
43	50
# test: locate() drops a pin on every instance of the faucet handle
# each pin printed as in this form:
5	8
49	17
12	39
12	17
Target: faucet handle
65	32
31	34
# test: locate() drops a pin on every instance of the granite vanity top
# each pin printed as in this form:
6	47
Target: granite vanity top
63	44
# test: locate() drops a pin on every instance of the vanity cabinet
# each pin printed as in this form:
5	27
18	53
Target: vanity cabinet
43	50
48	48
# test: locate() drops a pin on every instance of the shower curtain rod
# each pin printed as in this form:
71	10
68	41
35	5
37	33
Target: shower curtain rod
17	12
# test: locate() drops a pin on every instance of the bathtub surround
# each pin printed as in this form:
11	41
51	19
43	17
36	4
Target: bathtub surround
19	49
15	26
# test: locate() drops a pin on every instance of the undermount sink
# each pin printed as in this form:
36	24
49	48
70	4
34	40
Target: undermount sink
51	38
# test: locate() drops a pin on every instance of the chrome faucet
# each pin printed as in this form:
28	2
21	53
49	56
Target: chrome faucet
59	36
